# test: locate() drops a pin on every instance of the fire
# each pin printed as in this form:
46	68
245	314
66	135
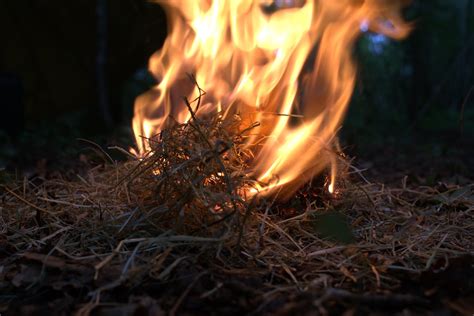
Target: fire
284	63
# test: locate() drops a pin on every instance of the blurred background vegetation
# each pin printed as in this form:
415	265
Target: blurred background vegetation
72	70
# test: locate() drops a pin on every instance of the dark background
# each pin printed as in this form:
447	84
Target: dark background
71	69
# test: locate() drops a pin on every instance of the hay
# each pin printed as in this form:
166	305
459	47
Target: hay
179	212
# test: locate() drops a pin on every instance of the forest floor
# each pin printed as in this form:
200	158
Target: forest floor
397	238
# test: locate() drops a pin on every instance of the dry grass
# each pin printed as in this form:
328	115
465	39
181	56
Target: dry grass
180	209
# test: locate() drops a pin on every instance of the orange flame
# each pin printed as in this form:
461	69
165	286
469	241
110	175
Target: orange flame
284	63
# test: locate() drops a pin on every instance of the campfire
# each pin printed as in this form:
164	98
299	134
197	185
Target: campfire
285	65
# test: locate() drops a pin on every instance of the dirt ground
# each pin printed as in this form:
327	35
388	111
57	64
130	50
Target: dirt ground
394	240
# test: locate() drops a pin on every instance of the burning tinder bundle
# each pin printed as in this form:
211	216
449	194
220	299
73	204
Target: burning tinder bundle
286	65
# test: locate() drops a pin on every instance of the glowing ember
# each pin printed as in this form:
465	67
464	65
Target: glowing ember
286	64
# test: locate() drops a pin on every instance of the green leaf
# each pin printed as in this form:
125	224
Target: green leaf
334	226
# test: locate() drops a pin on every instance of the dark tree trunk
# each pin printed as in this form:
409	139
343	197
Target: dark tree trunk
420	87
11	105
101	62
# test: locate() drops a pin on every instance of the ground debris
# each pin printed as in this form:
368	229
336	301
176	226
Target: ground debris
174	232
